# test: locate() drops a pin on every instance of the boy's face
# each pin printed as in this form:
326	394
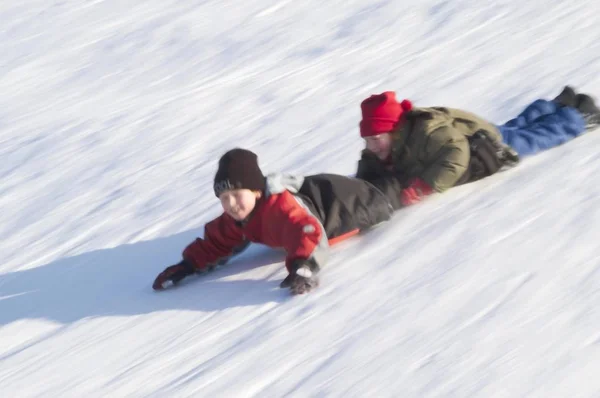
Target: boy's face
380	145
239	203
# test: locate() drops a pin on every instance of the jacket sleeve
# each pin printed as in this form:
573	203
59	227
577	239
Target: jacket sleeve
448	156
303	236
371	170
222	239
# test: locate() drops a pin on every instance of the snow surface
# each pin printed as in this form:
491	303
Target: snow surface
113	115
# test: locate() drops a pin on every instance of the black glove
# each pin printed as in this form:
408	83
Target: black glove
287	282
303	280
174	274
301	285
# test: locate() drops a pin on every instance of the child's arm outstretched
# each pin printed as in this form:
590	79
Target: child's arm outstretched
222	239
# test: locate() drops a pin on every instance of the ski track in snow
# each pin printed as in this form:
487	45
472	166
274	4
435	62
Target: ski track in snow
113	115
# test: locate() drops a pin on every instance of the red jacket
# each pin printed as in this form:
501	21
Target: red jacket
298	215
277	221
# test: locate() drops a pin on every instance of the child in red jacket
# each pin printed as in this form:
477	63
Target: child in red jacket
302	215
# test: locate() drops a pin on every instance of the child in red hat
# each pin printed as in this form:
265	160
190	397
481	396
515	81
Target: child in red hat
413	152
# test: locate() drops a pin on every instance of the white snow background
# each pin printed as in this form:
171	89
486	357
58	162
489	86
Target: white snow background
113	115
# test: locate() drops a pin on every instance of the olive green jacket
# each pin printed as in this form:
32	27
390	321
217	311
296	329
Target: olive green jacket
431	144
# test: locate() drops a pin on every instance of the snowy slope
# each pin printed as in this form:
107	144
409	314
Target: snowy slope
113	115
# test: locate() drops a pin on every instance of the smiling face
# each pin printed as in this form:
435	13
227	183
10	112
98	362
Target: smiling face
239	203
380	145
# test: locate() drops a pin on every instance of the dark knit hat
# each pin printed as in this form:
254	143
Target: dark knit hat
381	113
238	169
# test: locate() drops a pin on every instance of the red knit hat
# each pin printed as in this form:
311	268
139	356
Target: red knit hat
381	113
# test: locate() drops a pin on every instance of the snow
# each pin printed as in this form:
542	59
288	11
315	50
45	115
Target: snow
113	115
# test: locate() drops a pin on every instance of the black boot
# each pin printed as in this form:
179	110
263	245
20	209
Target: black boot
588	109
566	97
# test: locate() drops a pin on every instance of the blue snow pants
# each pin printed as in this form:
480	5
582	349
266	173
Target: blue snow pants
542	125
